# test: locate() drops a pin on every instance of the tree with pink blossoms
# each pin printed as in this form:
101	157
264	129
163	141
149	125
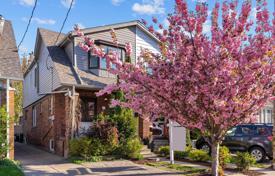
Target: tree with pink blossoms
209	82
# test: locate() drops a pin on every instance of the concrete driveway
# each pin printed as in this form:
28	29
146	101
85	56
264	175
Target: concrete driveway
37	162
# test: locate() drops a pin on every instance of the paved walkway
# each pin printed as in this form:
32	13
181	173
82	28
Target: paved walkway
36	162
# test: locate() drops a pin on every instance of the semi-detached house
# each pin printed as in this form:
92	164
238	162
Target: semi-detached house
10	72
60	84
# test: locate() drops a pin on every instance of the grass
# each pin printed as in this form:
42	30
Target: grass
187	170
10	168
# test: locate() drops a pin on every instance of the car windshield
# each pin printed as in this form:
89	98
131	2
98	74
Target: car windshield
231	132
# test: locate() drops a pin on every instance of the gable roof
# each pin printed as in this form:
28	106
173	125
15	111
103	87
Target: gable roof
108	27
10	65
66	73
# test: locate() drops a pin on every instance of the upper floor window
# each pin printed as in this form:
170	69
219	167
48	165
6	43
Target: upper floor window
36	78
100	63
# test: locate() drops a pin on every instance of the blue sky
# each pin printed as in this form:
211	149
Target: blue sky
50	14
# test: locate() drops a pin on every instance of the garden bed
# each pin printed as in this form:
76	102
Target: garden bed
185	170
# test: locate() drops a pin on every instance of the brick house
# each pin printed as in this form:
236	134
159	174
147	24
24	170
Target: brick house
10	71
60	84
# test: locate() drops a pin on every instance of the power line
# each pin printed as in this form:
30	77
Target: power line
63	24
29	22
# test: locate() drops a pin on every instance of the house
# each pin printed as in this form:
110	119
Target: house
10	71
266	114
60	84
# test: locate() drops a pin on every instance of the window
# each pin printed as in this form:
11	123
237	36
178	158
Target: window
266	115
51	145
231	132
96	63
34	117
88	109
245	130
36	78
262	131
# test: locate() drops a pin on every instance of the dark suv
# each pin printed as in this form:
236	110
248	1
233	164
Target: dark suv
254	138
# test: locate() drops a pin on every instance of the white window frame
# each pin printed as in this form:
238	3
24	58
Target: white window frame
51	145
34	116
264	116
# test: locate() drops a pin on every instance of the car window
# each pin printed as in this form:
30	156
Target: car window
244	130
262	131
231	132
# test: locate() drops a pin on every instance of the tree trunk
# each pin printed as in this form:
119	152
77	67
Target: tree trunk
215	158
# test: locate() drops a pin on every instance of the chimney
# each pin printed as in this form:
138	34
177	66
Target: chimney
2	21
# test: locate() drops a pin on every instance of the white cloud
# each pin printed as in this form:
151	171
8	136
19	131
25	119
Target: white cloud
206	28
199	0
23	49
81	26
117	2
67	3
27	2
253	14
166	23
149	7
40	21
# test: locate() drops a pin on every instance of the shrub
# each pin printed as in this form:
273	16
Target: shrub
183	154
131	149
198	155
86	148
244	160
3	131
224	156
180	154
164	151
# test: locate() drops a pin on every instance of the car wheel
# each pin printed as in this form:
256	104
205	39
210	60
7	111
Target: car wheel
258	153
205	147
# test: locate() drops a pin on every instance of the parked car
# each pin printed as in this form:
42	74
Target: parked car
254	138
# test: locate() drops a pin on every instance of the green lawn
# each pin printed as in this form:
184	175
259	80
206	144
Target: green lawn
9	168
186	170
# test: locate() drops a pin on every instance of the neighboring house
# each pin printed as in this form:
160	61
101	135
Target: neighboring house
60	84
266	114
10	71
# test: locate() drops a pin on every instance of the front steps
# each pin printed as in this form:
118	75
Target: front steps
148	154
157	143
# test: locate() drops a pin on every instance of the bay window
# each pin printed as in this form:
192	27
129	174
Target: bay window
100	63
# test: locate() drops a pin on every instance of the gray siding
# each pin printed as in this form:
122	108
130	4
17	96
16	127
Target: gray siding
123	35
47	80
143	40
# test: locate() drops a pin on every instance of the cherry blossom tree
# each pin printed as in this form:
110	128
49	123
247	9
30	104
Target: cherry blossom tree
209	82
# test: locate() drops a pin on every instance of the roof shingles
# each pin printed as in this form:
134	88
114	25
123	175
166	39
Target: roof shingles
9	59
67	74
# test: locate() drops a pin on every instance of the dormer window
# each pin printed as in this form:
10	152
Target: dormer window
97	63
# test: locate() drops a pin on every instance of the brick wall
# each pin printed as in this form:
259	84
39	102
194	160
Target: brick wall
144	128
11	125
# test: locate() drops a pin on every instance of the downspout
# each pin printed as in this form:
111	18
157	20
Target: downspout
8	116
73	112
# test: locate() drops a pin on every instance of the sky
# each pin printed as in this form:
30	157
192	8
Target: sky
50	14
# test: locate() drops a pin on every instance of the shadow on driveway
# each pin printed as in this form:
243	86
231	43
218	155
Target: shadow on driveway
36	162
